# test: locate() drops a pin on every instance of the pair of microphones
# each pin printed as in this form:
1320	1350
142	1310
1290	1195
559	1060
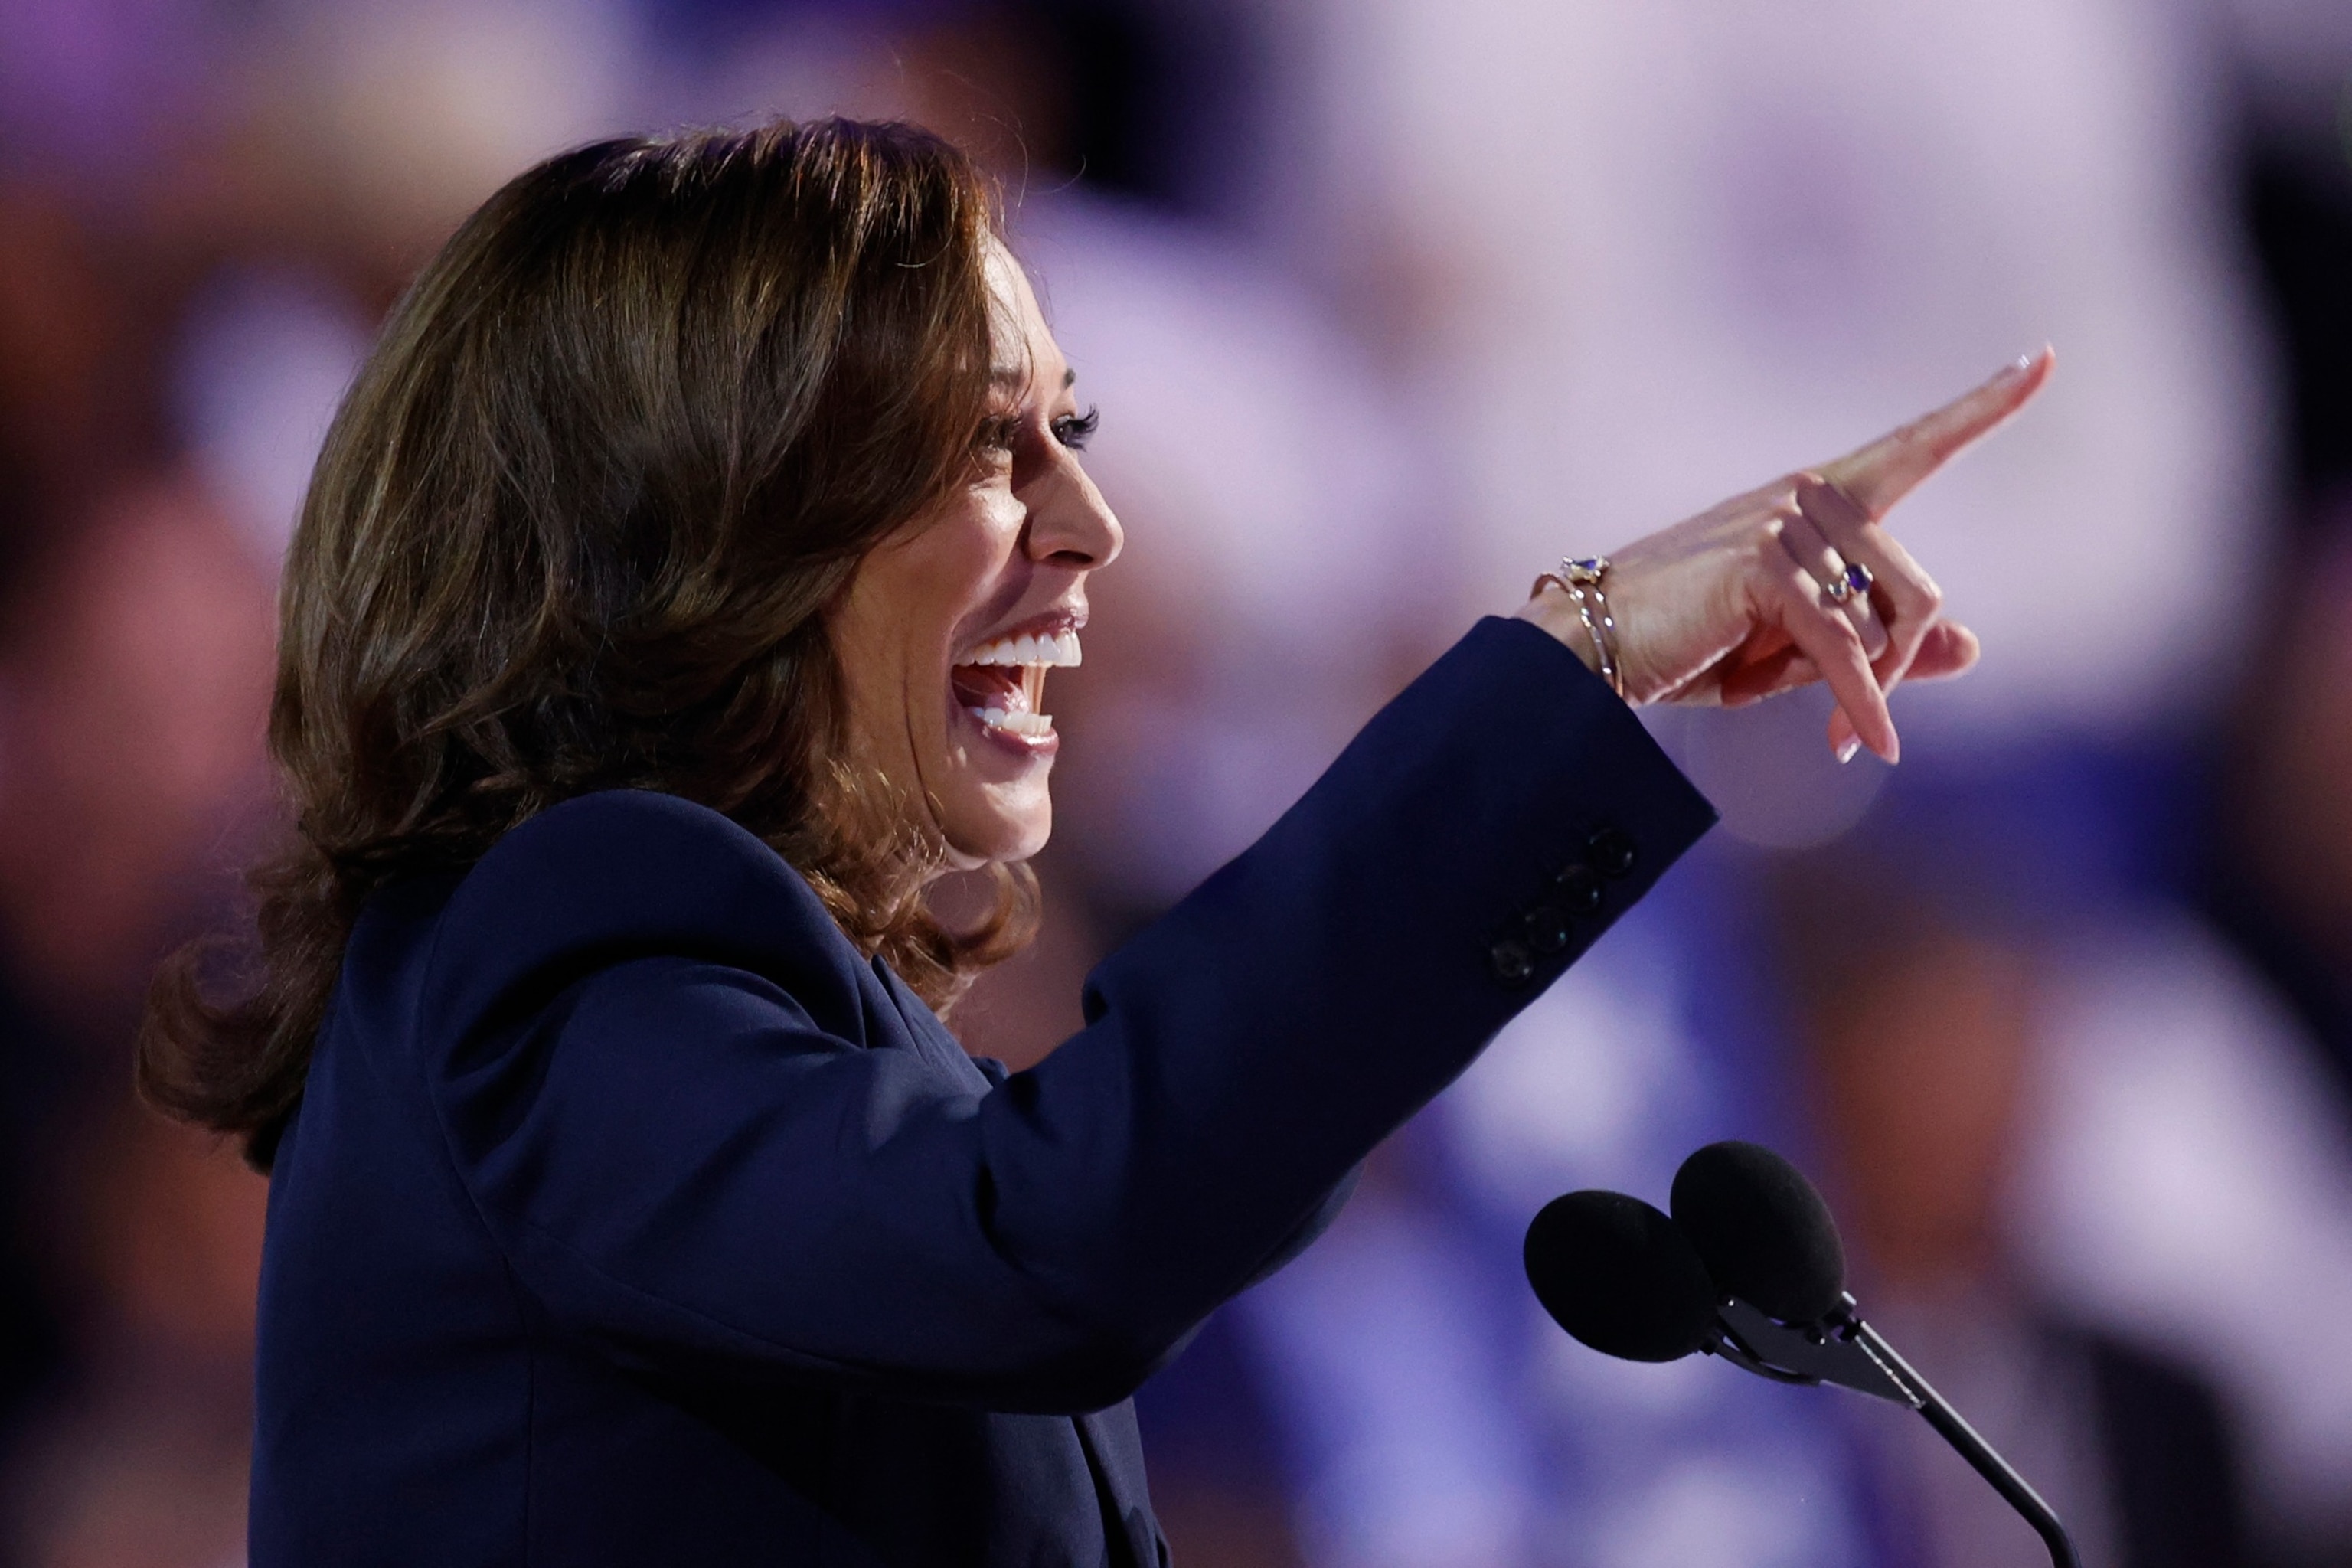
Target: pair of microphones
1748	1267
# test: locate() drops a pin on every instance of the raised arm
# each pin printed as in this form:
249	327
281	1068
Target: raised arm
688	1115
708	1136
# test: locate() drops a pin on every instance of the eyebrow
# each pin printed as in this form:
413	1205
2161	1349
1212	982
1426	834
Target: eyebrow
1013	377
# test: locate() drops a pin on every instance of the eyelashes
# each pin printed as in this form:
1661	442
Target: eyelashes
999	434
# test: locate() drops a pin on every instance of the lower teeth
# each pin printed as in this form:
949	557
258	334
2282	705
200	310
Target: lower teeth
1028	724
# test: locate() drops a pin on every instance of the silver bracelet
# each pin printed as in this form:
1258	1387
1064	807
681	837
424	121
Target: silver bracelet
1581	581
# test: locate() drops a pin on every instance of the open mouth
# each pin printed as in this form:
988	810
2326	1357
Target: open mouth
1002	684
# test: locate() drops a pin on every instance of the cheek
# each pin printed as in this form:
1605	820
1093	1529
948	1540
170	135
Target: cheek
914	602
909	596
963	568
870	666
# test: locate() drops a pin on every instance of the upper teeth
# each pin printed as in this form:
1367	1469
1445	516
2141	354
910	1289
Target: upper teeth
1062	650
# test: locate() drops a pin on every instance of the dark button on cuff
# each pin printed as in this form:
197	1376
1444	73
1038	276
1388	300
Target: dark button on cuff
1611	852
1513	962
1579	889
1546	929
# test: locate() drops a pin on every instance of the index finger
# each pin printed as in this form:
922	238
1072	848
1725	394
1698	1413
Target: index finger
1890	467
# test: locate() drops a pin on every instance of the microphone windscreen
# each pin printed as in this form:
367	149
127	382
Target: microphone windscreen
1620	1276
1763	1232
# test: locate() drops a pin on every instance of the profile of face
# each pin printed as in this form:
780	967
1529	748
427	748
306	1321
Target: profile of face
948	628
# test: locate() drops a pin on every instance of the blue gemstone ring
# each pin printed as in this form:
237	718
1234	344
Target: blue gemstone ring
1856	579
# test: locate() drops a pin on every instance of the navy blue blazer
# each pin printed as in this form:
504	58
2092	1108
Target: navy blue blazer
632	1218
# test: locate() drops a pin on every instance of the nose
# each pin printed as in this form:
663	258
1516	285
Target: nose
1070	524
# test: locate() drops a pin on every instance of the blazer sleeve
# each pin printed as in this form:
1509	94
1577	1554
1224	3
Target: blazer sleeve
683	1167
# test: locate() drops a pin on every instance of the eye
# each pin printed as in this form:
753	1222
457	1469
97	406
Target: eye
1075	430
993	441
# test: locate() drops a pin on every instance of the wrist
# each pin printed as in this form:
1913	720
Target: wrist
1580	583
1554	610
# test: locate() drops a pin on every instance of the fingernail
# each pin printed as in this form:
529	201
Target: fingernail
1848	747
2016	367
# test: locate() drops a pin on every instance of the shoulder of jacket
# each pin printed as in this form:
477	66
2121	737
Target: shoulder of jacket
625	874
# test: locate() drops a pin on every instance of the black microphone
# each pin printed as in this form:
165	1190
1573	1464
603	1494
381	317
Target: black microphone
1763	1232
1621	1277
1748	1267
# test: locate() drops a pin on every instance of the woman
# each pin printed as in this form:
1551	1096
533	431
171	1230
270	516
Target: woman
673	602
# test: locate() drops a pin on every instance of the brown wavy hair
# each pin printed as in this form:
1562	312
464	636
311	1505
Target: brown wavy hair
575	527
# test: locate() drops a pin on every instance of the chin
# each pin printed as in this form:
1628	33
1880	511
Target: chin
987	834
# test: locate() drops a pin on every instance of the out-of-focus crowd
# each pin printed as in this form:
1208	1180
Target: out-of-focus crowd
1387	304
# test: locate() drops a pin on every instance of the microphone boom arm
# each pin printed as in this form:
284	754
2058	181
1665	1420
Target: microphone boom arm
1851	1353
1750	1340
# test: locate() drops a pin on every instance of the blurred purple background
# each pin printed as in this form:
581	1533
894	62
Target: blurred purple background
1387	303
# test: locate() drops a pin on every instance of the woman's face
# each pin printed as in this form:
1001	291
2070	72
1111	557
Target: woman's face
949	628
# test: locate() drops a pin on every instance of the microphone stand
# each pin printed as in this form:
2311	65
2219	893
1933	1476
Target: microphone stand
1847	1352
